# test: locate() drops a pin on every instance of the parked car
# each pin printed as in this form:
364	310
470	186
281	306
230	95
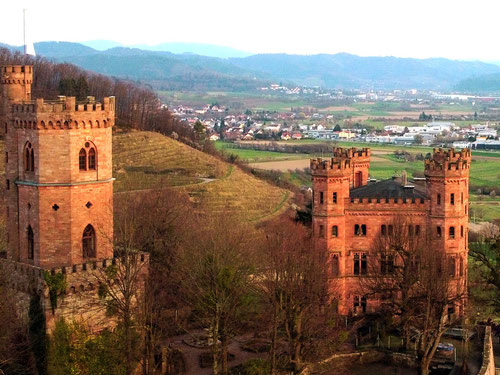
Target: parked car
445	350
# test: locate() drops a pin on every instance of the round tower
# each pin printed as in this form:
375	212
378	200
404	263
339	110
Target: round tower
16	82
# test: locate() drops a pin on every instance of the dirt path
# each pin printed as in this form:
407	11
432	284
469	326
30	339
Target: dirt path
286	165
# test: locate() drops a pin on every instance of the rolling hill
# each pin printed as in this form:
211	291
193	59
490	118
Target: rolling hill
170	71
146	160
489	83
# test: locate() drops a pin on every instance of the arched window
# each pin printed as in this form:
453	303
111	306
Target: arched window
29	158
31	242
82	160
88	242
87	158
91	158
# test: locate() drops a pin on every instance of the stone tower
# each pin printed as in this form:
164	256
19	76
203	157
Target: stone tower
332	180
447	186
59	185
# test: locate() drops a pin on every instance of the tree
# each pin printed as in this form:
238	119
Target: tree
200	130
15	346
215	270
337	128
295	284
416	284
486	270
419	139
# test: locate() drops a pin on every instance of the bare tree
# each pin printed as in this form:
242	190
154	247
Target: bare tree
215	269
295	283
417	284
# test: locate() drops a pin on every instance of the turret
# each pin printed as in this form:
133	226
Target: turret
447	175
16	82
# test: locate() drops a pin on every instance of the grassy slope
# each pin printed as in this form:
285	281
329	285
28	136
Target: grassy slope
150	160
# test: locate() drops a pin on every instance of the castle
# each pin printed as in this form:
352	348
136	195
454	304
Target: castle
350	211
58	194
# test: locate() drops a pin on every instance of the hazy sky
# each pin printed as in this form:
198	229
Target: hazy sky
457	29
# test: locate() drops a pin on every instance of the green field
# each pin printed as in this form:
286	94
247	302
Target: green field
485	170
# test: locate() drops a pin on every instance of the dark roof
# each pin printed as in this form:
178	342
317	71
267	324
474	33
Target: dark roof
387	189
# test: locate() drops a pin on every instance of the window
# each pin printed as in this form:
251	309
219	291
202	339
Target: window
387	264
321	231
335	231
439	199
82	160
452	198
360	230
461	231
335	265
31	242
466	210
29	158
417	230
7	183
451	266
89	242
462	198
91	163
334	197
452	232
410	230
390	229
359	304
438	232
383	230
320	197
360	264
87	157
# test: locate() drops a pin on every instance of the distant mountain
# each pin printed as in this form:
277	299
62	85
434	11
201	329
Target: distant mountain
489	83
101	45
61	49
350	71
167	70
195	48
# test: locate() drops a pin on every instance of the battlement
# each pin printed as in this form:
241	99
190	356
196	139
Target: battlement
332	166
351	153
385	203
448	163
64	105
64	113
16	74
79	277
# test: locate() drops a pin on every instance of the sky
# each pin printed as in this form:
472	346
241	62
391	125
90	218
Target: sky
456	29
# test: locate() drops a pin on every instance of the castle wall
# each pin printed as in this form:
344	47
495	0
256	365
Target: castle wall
80	300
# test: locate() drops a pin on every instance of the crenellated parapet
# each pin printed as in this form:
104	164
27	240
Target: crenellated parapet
83	277
65	113
333	167
352	153
448	163
16	75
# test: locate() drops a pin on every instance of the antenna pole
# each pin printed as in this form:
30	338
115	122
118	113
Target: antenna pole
24	32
